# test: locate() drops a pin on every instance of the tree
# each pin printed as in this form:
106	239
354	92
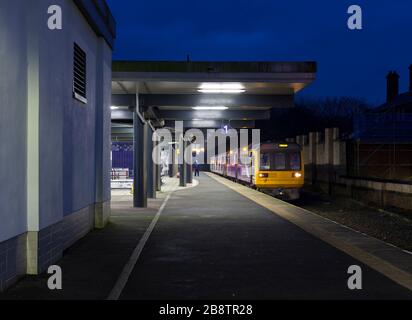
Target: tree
312	115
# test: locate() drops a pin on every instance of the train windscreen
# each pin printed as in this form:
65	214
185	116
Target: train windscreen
280	161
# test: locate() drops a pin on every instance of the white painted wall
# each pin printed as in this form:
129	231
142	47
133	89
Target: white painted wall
67	178
13	116
103	124
68	134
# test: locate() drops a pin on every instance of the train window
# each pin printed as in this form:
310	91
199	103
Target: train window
264	161
294	161
279	161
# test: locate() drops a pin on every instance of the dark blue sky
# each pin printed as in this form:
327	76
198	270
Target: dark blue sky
351	63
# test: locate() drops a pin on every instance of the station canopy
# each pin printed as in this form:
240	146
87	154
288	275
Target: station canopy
205	94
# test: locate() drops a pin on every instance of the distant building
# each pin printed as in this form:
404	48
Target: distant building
55	93
392	121
395	102
382	137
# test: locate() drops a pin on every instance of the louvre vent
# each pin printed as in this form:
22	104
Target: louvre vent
79	74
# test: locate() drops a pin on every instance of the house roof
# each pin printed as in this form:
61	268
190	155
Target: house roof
403	101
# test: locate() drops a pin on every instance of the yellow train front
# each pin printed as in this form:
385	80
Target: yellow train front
279	169
276	168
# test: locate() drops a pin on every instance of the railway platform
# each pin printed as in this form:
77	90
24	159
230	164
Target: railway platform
221	240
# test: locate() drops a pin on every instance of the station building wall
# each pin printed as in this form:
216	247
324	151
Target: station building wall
54	149
13	118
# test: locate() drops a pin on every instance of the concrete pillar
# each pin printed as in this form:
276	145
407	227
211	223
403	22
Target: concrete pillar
312	155
158	168
319	148
336	147
189	177
182	165
103	141
139	161
158	177
328	155
33	143
300	140
339	153
312	147
174	163
189	166
151	191
305	140
154	176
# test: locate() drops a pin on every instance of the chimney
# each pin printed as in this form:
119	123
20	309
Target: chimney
410	77
392	86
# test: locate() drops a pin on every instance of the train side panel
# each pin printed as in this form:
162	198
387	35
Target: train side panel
232	166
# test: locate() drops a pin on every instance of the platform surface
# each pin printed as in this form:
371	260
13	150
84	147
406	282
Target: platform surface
212	242
220	240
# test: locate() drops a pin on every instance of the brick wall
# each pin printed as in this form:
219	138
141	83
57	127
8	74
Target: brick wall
77	225
12	260
53	240
34	252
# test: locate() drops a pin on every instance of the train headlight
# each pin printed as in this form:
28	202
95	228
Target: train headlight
263	175
297	175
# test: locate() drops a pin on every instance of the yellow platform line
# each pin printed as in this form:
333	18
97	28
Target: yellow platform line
332	233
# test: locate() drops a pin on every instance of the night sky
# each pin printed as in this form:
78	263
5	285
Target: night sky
352	63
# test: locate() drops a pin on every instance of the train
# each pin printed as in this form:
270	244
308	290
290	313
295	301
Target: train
274	167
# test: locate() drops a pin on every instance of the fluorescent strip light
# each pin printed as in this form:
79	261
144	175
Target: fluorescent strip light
210	108
228	86
114	107
213	87
221	90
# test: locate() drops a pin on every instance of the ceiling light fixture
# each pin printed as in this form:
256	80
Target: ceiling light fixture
221	91
114	107
221	88
210	108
